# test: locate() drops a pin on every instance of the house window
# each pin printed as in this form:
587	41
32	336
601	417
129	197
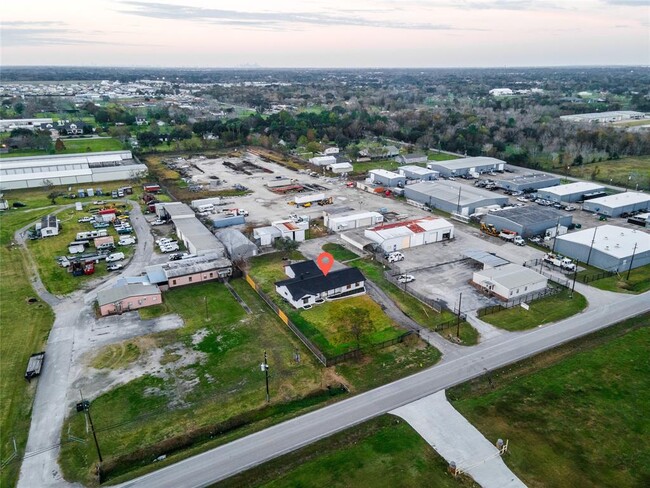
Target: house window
211	275
348	287
305	300
173	282
189	279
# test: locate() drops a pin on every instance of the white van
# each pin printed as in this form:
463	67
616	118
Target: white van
126	240
208	207
105	246
394	256
116	256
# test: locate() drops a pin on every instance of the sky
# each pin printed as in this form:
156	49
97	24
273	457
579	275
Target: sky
332	33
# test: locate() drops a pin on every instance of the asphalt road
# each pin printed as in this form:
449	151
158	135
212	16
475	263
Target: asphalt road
229	459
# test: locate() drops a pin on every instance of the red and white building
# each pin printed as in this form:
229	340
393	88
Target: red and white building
410	233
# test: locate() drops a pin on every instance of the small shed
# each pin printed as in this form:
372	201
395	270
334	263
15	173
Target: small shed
49	226
265	236
237	245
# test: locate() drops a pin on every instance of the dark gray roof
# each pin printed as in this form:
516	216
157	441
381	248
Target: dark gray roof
486	258
530	214
48	221
315	284
306	268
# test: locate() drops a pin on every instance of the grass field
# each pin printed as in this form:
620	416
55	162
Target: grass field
617	172
638	282
543	311
208	373
73	146
339	252
577	422
322	325
383	452
56	279
24	328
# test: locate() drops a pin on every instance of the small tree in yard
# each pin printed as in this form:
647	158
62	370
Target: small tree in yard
59	146
287	246
354	324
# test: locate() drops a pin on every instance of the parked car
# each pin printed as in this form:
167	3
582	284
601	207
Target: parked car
114	266
126	240
169	248
116	256
405	278
393	257
86	219
18	204
519	241
158	222
100	225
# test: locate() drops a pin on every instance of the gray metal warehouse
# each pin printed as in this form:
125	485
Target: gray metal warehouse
569	193
463	166
612	247
528	221
418	173
615	205
386	178
530	181
452	197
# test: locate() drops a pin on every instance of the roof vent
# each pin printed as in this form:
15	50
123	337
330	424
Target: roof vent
617	245
606	248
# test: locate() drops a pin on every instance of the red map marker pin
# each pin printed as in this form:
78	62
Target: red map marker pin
325	261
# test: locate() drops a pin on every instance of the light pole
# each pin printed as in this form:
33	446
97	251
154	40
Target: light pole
265	367
85	407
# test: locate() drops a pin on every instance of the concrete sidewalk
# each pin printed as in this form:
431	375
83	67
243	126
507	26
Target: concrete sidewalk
455	439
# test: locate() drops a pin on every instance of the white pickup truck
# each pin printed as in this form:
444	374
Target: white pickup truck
559	261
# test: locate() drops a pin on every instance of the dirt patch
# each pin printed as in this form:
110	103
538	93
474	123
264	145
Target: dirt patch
332	378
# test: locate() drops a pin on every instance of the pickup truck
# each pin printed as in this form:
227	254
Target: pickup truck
559	261
519	241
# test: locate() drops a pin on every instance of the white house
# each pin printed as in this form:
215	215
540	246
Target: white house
509	281
331	150
307	285
265	236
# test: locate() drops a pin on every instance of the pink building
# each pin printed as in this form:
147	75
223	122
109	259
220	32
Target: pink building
124	298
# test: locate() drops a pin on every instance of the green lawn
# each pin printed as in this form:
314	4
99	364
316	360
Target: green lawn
208	375
73	146
579	422
383	452
339	252
24	328
387	164
441	157
543	311
639	281
322	325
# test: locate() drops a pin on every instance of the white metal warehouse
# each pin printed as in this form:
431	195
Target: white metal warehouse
418	173
607	247
531	181
569	193
348	221
68	169
411	233
452	197
463	166
615	205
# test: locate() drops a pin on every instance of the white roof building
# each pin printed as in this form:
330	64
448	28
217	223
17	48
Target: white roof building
509	281
323	160
571	192
607	247
615	205
410	233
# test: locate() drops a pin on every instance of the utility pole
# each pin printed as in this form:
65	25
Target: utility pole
575	276
557	232
458	204
460	300
86	408
592	245
205	302
265	367
631	261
